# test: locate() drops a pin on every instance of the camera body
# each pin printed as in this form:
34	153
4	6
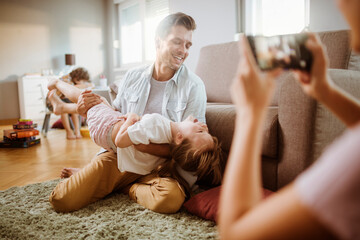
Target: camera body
284	51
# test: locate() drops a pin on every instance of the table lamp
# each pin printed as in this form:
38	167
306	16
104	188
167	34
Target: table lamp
70	59
69	65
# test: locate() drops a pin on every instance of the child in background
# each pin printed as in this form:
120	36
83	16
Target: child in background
200	152
80	78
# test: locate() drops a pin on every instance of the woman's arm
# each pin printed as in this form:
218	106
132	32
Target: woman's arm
318	84
242	214
242	181
280	216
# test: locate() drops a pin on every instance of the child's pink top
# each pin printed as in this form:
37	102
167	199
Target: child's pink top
100	119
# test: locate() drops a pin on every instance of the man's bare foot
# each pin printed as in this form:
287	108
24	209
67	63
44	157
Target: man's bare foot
56	102
52	83
68	172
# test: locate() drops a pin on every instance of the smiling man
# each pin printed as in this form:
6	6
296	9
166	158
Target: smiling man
166	87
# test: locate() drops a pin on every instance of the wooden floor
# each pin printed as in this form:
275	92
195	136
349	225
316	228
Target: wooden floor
22	166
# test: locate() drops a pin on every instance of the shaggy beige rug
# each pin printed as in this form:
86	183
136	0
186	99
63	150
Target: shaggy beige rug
25	213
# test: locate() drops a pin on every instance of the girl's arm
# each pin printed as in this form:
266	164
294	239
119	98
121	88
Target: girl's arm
130	119
242	214
160	150
122	139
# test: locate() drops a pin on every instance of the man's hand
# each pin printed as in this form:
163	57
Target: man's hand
87	100
252	89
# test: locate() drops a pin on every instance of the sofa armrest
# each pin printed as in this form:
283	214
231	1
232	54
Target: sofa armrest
305	126
220	118
296	129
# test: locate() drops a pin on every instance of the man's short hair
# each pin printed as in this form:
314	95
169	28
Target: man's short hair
176	19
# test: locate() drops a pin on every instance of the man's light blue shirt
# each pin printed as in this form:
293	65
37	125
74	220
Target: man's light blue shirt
184	94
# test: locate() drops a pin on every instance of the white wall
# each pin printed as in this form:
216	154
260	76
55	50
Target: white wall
215	19
36	35
325	16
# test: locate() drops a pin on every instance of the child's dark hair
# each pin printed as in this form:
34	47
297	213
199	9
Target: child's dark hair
79	74
192	160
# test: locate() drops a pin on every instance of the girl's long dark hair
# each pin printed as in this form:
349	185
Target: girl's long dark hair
192	160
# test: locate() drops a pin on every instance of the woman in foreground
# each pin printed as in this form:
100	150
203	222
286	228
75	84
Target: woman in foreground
323	202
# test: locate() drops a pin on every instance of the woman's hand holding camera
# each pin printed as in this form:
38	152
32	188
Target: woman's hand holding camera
251	89
315	83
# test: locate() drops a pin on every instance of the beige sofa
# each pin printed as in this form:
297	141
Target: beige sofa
297	128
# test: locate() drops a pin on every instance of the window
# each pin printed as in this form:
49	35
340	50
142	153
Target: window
273	17
138	20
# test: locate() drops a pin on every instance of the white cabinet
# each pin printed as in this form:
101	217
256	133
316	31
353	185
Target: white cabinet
32	91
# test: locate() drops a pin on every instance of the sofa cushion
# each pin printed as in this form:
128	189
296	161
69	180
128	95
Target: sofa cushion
337	45
205	204
58	124
327	125
220	119
354	61
217	67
